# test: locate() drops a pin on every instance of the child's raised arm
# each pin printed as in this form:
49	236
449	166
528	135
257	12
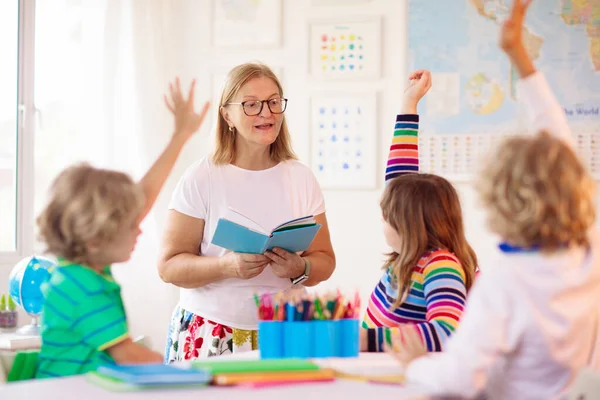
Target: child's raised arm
544	111
404	150
187	122
486	333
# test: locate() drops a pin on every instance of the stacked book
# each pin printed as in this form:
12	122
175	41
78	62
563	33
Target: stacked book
126	378
264	373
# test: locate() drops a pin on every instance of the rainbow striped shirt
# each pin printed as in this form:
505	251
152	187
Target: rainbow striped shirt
404	151
438	292
434	304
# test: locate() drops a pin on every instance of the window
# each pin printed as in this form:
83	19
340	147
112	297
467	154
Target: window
9	48
68	89
51	106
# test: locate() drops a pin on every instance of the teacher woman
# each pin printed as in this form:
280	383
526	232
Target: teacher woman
252	172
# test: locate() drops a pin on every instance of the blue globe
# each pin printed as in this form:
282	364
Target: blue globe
25	280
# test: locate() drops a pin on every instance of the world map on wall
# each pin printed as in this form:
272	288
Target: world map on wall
474	85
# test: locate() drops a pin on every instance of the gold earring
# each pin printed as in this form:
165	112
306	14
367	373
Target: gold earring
231	128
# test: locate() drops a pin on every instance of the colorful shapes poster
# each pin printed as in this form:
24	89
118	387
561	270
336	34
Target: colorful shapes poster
344	140
345	50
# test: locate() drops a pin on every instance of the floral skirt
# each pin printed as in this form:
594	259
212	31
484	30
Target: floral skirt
192	336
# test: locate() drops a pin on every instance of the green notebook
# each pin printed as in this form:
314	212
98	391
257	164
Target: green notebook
117	385
242	366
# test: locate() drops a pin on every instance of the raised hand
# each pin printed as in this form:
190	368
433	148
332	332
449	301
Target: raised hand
418	85
511	39
511	34
187	120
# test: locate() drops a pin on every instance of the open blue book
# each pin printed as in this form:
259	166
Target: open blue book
153	375
293	236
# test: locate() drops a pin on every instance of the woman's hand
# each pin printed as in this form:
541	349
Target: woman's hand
187	120
245	266
285	264
418	85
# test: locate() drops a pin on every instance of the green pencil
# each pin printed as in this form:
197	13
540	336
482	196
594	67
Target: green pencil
256	300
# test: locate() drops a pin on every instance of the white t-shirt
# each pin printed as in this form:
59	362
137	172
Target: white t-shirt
268	197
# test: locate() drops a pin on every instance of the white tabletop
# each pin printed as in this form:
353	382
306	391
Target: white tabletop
77	387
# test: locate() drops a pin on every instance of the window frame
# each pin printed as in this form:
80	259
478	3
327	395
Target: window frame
24	227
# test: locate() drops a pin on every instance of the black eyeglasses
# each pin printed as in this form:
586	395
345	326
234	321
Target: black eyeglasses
251	108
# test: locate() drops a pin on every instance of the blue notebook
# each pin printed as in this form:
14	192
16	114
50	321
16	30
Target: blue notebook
154	374
293	236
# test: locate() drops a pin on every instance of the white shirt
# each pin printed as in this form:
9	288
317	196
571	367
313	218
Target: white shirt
269	197
531	320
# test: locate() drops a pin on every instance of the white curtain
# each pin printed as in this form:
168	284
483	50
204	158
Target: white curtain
138	42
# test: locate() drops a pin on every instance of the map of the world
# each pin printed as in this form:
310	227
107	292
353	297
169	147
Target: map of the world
474	85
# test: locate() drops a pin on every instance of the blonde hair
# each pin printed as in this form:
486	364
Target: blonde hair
538	194
425	211
224	153
87	204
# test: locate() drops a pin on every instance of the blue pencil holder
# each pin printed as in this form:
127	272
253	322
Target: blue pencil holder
348	336
308	339
324	338
297	339
270	339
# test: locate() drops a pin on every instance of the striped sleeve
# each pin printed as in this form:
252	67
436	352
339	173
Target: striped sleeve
379	316
445	296
404	150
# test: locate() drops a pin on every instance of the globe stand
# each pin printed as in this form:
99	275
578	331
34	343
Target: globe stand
32	329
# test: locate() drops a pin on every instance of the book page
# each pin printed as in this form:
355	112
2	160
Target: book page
304	221
235	216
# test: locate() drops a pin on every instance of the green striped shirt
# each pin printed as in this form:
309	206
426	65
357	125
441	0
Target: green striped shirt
83	315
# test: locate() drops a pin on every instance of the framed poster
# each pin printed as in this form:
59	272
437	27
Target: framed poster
344	140
346	50
247	23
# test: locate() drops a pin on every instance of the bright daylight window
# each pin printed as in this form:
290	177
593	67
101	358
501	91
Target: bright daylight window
67	119
9	48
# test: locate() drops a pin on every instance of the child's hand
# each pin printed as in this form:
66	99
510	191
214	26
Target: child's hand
511	39
187	121
407	345
418	85
511	34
